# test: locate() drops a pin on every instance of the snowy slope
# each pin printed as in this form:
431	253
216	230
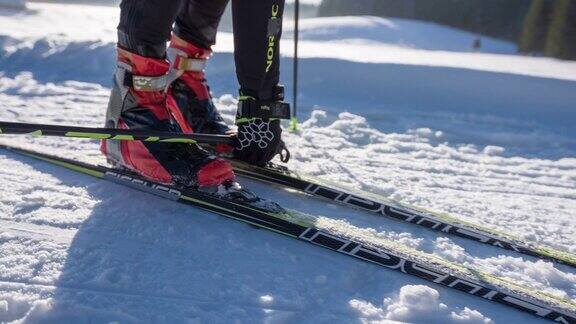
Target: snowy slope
396	31
73	249
13	4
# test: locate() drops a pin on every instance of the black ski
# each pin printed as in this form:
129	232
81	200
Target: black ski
482	285
282	176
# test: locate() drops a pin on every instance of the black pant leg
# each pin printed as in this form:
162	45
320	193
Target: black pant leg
146	25
257	32
198	21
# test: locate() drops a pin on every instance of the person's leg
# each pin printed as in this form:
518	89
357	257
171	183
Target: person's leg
189	97
198	21
138	101
146	25
257	32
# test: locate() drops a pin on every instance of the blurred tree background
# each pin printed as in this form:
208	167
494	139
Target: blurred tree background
537	26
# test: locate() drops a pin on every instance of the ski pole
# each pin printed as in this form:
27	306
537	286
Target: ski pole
111	133
294	119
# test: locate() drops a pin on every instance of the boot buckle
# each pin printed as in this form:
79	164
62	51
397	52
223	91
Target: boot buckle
190	64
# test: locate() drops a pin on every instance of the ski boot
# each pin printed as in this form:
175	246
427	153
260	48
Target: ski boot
189	98
138	101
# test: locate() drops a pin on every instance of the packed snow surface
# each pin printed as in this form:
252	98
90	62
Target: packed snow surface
399	108
13	4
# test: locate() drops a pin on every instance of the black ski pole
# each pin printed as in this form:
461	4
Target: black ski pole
294	119
111	133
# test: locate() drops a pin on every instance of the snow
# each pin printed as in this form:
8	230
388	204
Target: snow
416	304
400	32
487	137
70	21
13	4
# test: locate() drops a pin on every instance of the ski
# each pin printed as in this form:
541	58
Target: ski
305	228
381	206
282	176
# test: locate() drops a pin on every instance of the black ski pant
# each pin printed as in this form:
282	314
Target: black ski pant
146	25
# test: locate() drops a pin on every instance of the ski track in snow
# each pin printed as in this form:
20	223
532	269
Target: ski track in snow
72	248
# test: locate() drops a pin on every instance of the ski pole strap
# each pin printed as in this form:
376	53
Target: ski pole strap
284	153
263	109
145	83
189	64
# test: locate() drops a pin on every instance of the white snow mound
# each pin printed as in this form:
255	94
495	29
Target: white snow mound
416	304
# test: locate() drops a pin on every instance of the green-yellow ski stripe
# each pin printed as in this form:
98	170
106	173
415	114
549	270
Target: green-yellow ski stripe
243	120
178	140
87	135
123	137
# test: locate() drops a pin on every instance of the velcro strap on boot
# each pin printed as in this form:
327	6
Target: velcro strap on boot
263	109
145	83
189	64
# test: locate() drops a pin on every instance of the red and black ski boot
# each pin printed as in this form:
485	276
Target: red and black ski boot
138	101
189	98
